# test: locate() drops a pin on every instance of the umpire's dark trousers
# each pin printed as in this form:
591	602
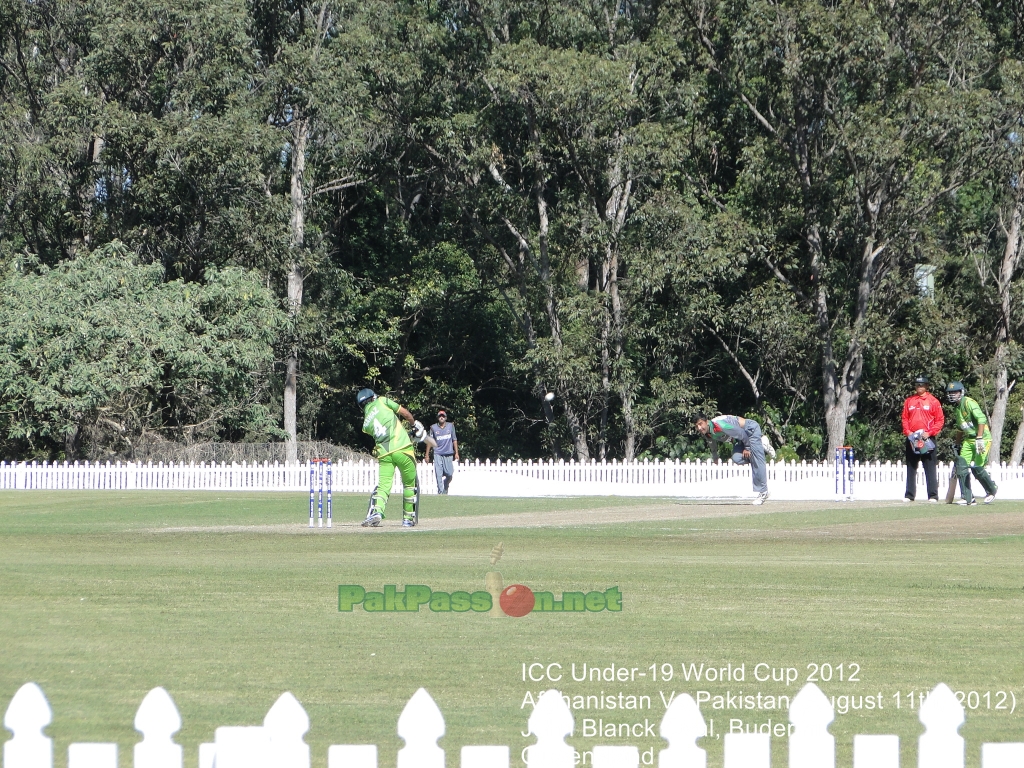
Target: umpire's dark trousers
927	460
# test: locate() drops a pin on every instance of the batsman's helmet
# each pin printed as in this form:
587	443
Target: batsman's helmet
954	391
365	396
922	379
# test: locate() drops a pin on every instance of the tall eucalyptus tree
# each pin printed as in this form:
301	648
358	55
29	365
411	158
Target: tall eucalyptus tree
862	117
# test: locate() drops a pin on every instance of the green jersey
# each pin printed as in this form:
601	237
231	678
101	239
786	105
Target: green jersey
969	415
381	421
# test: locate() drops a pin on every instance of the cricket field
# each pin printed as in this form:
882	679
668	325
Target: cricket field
228	600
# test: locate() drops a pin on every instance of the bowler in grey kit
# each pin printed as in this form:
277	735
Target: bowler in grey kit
748	446
446	452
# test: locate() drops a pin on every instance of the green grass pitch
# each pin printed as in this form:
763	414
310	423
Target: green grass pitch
227	600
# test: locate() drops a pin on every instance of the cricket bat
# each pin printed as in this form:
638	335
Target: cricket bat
951	493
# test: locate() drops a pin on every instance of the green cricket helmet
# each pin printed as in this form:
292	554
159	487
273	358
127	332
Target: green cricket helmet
365	396
955	391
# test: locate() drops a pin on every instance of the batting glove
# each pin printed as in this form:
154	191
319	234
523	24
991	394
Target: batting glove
979	445
418	429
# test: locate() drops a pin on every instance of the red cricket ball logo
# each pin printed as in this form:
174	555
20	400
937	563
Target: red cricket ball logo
517	600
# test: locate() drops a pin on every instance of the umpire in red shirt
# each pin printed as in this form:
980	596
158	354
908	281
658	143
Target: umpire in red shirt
922	422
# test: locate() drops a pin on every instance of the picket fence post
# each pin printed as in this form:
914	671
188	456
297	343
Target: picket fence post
286	724
681	726
811	745
421	725
551	722
27	715
941	746
158	720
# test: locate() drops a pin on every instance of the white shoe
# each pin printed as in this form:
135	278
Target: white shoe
933	501
760	499
767	444
906	500
990	498
964	503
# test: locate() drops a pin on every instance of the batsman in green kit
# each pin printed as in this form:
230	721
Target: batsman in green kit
394	450
977	441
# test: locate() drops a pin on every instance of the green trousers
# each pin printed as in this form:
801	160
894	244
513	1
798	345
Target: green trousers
970	461
406	465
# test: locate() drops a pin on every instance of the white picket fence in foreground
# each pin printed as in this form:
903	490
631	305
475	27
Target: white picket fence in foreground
279	742
679	479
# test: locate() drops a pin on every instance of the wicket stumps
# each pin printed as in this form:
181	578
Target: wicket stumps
319	469
844	473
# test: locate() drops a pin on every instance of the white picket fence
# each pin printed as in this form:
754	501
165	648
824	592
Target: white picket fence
677	479
279	742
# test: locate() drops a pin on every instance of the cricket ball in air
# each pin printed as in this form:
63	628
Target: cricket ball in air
517	600
549	396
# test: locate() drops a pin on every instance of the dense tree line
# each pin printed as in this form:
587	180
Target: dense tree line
218	220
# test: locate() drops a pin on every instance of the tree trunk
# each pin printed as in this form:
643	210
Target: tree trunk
842	385
576	430
71	442
295	282
615	211
518	267
836	417
835	398
997	420
606	387
838	398
1007	267
621	371
95	148
1018	444
628	424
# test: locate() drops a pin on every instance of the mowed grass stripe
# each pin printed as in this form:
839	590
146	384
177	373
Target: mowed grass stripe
101	611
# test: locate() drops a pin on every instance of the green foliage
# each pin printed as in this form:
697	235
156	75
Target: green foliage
648	209
100	351
682	447
871	443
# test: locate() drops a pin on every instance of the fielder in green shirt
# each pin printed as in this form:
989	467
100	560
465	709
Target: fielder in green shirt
382	420
977	441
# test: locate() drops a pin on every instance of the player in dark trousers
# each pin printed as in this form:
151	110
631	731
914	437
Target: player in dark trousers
922	421
975	444
748	446
447	449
